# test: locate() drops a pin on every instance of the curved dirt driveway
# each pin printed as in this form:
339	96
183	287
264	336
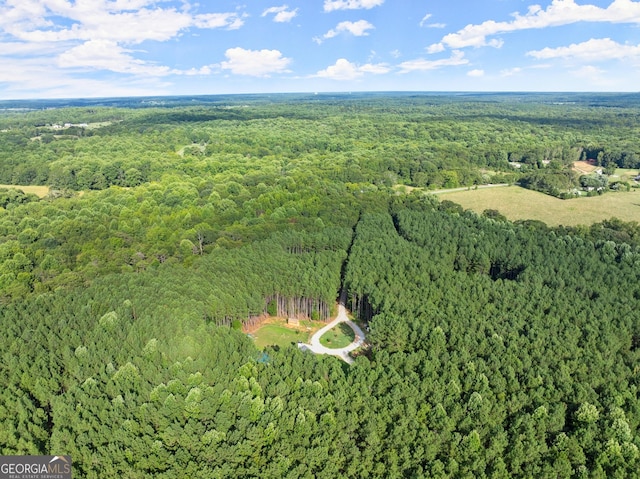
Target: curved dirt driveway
342	353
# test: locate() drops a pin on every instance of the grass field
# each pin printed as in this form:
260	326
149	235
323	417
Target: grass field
40	191
520	204
623	174
339	337
273	334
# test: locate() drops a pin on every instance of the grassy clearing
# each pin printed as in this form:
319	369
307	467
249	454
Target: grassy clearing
584	167
520	204
40	191
339	337
623	174
278	335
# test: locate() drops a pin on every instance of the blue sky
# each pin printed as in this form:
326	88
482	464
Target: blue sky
99	48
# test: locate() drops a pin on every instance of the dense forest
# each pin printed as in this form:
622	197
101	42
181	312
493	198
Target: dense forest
496	349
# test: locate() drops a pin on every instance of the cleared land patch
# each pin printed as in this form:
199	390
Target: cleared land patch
276	332
585	167
277	335
39	191
518	203
624	174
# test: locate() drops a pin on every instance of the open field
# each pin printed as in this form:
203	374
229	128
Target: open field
518	203
274	334
339	337
584	167
276	331
624	174
40	191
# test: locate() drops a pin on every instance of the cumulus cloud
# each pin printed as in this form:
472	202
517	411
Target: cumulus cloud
559	12
331	5
102	21
435	48
357	29
281	14
98	34
420	64
475	73
601	49
108	55
343	69
230	21
258	63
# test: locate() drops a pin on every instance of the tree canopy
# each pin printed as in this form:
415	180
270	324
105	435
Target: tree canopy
495	349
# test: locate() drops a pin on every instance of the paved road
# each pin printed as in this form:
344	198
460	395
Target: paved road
342	353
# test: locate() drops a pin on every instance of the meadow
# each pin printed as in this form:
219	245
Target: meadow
39	191
518	203
273	334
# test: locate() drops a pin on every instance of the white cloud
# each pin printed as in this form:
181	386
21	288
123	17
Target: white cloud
423	22
509	72
259	63
592	50
475	73
435	48
560	12
420	64
232	21
39	78
26	48
345	70
92	35
331	5
396	53
108	55
281	14
377	69
101	21
358	29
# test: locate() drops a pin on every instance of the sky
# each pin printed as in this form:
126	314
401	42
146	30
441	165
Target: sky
107	48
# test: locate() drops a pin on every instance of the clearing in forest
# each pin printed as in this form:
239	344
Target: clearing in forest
518	203
276	332
39	191
585	167
339	337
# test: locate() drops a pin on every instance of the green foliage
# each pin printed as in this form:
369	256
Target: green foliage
496	349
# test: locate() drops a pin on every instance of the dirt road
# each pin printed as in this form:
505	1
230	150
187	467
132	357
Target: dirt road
342	353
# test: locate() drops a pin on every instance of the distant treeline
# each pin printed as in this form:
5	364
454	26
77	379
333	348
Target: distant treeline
419	140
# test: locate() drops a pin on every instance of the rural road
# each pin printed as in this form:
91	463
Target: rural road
342	353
